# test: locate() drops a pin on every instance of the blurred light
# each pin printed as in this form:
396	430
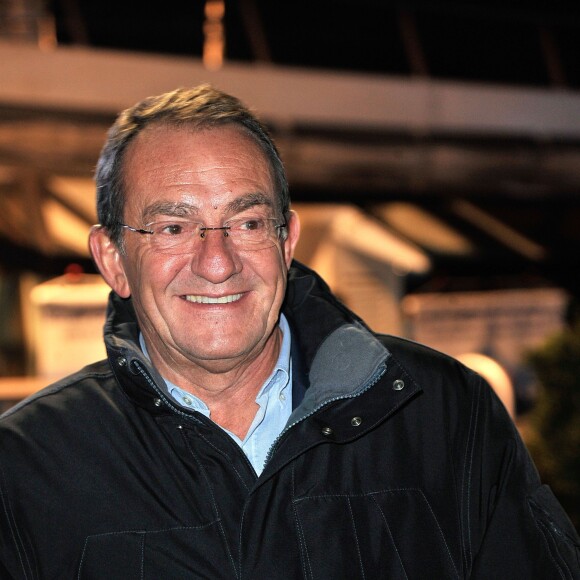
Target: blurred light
348	227
47	33
214	37
67	230
499	230
77	193
495	375
424	229
353	229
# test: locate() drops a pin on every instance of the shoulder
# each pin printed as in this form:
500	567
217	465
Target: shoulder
424	361
446	384
62	430
74	395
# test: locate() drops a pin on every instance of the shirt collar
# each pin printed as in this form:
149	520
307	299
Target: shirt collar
281	372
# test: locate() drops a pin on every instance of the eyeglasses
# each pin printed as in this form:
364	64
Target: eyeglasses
177	235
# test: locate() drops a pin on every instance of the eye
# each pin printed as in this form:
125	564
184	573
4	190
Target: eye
252	224
170	229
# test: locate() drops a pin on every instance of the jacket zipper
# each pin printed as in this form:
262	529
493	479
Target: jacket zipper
177	410
143	372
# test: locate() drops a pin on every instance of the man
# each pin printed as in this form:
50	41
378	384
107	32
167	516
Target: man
246	424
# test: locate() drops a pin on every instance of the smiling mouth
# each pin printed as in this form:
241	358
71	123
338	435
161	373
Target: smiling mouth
213	300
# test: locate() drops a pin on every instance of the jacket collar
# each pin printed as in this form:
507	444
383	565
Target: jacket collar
335	355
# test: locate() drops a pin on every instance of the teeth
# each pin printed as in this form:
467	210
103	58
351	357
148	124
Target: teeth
210	300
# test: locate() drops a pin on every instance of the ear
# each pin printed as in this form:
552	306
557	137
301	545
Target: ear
291	240
108	259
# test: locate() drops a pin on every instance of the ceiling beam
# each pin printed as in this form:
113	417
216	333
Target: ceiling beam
100	81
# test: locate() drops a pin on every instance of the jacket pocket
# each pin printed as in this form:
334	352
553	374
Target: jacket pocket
560	537
171	554
385	534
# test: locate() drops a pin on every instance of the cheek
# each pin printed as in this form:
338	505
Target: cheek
166	269
277	282
155	265
151	272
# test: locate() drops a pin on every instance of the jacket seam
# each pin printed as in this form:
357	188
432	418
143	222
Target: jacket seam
457	494
14	532
240	539
356	541
467	472
306	565
214	503
54	389
225	455
372	495
544	530
388	527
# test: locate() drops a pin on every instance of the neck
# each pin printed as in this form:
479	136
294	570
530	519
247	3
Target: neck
228	388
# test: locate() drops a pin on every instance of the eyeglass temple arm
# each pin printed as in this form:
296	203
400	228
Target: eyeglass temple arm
136	230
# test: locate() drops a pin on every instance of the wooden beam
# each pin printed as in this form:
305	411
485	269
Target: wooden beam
99	81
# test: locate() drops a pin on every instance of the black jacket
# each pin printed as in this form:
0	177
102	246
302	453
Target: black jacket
398	463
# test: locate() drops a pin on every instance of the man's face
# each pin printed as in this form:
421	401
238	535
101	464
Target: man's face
209	177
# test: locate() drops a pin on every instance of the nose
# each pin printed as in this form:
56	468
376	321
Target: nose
214	259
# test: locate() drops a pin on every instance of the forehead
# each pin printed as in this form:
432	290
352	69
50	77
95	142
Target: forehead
185	165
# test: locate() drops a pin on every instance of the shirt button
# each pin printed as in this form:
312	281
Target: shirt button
187	400
282	396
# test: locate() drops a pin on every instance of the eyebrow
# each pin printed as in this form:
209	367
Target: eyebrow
179	209
170	209
249	200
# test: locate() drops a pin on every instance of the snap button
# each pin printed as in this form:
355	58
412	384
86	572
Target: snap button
355	421
327	431
157	402
121	361
398	385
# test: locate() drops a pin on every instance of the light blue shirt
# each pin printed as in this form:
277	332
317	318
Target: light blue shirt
274	400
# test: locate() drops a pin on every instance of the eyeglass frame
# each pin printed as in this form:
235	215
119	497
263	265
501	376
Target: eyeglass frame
203	227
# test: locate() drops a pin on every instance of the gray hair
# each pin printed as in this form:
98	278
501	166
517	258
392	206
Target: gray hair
199	108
